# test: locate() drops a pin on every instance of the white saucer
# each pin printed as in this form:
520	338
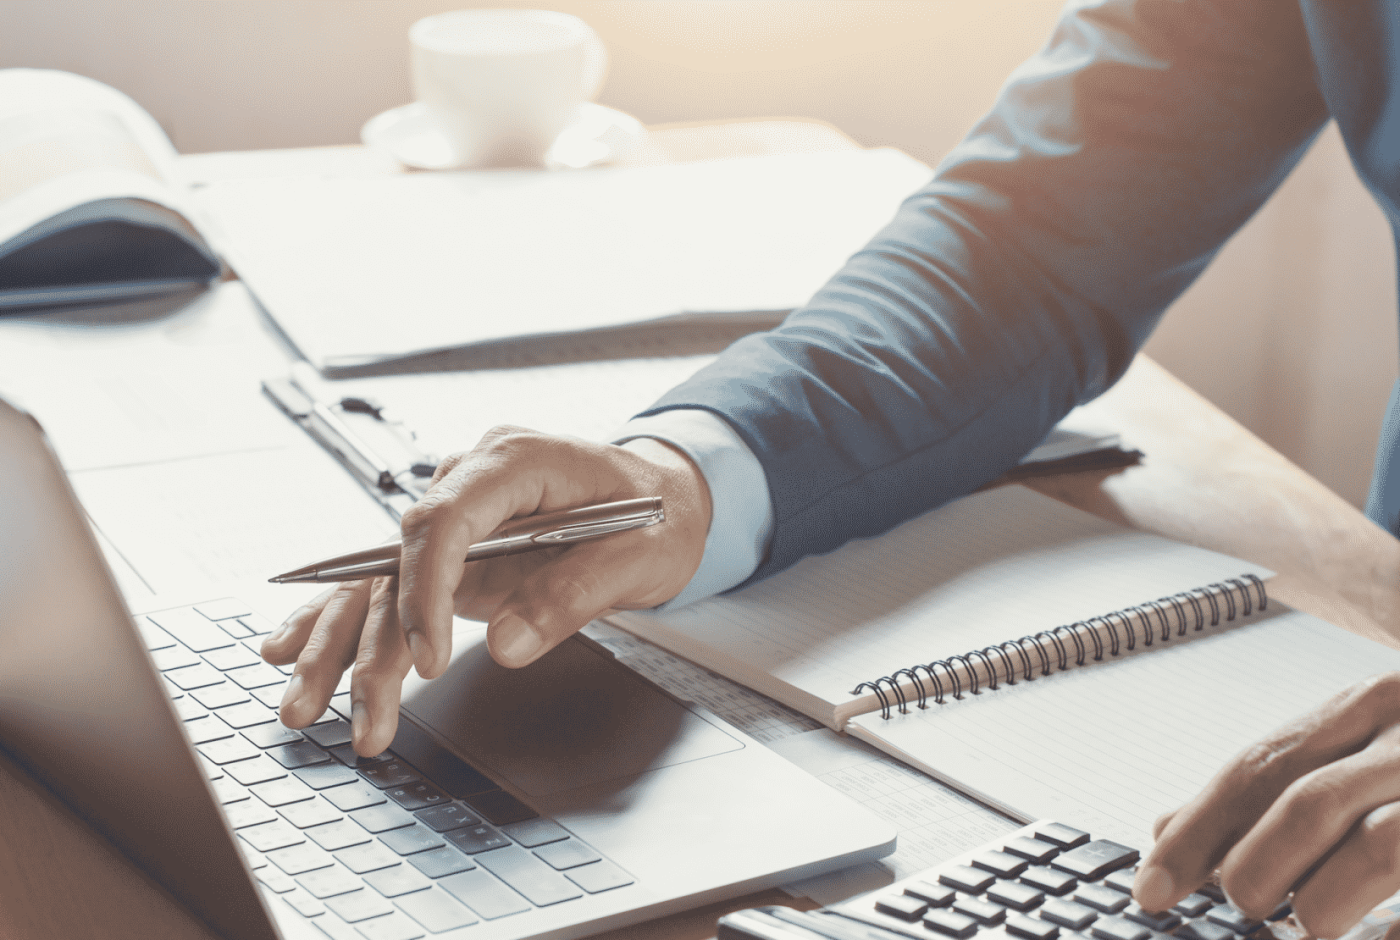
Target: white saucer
596	135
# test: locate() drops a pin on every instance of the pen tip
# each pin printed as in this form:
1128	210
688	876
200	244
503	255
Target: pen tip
275	580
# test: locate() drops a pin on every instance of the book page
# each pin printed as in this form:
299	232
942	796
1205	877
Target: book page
1109	749
982	570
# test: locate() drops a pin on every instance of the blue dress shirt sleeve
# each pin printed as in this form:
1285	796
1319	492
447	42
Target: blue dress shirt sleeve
1023	278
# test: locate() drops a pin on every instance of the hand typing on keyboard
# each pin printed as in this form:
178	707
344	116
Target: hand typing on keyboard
1314	809
381	628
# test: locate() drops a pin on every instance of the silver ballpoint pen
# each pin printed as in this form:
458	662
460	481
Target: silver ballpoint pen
521	535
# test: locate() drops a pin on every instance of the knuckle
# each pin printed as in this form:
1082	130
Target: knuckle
366	673
1378	840
1316	798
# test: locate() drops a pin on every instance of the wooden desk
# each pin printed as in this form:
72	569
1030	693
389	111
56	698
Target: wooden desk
1204	480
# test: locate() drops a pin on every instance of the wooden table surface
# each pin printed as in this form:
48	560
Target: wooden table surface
1205	479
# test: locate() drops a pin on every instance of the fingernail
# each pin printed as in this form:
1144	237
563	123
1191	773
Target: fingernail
294	690
359	721
519	644
1153	888
421	652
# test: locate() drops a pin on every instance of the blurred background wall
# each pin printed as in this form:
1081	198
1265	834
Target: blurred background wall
1292	330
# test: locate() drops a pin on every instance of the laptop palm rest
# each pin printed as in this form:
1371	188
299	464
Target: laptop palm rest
573	718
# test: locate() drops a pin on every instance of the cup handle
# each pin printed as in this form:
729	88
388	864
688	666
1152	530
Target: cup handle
595	67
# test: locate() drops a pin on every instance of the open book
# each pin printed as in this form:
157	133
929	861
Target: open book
89	207
1041	659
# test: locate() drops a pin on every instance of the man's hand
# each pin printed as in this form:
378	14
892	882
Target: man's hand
532	602
1313	809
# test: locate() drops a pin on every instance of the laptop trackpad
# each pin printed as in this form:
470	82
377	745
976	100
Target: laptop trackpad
571	719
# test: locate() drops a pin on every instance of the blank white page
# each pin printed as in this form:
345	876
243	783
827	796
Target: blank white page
1109	749
984	569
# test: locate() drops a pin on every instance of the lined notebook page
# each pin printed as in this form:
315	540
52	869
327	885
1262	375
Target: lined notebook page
988	568
1109	749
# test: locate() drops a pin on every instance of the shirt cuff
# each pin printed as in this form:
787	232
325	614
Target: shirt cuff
741	520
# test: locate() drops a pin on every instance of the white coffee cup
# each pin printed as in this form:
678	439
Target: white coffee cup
501	84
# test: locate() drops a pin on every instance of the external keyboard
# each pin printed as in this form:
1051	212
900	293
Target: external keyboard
397	847
1047	881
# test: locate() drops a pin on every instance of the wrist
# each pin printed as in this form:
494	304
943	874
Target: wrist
676	478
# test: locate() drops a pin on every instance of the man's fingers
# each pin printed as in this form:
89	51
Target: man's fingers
329	650
376	680
1362	872
284	644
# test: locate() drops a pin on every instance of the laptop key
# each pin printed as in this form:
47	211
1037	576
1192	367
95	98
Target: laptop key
500	807
307	813
299	754
337	835
390	774
358	905
188	709
368	857
525	873
154	637
248	813
282	792
382	818
353	796
401	879
568	854
304	904
173	657
474	839
275	880
275	734
220	696
437	863
235	629
415	838
417	796
345	753
196	632
246	715
226	750
227	791
232	657
195	677
532	833
455	816
222	609
329	881
393	927
436	910
486	896
256	676
323	776
254	770
599	877
330	733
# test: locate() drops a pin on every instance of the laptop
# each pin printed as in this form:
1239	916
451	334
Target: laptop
555	801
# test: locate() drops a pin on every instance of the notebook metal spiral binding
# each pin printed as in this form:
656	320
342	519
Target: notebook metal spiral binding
1152	621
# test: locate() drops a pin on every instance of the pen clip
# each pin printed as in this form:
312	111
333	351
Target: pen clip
588	530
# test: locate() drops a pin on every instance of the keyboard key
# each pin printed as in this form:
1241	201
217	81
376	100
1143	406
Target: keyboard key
354	796
474	839
390	774
531	833
222	609
256	676
394	927
246	715
984	912
1015	895
486	896
256	860
1194	905
194	677
154	637
173	657
196	632
211	769
1227	916
300	754
1116	928
235	629
359	905
436	911
329	881
254	770
337	835
304	904
1061	835
1121	880
1093	860
1001	864
411	839
220	696
500	807
368	857
568	854
248	813
323	776
401	879
227	750
282	792
455	816
313	812
275	880
258	624
188	709
417	796
950	923
226	791
382	818
1213	892
1069	914
299	859
1203	930
902	906
232	657
1035	851
934	895
271	735
270	836
966	879
520	869
1031	928
329	733
598	877
436	863
1102	899
1158	920
345	753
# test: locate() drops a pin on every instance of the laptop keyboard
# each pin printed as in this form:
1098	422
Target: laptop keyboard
1047	881
409	844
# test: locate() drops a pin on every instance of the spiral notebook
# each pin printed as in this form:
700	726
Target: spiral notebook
1004	594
